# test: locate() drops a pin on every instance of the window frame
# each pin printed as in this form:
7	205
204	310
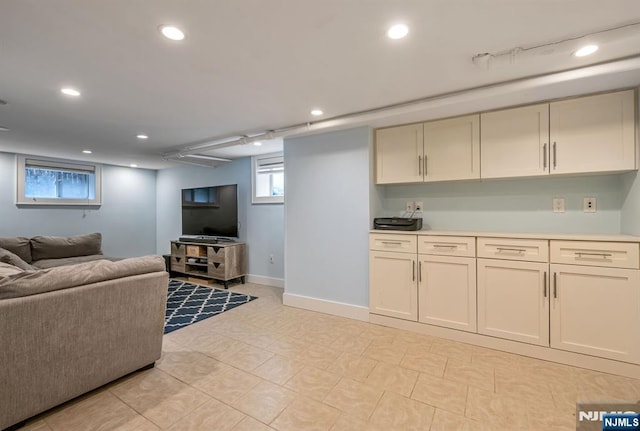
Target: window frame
254	171
22	161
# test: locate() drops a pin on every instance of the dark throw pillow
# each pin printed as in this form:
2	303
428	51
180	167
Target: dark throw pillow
13	259
57	247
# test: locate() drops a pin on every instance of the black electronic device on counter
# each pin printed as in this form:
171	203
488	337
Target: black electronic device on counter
397	223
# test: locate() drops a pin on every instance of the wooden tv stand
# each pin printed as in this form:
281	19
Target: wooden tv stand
220	261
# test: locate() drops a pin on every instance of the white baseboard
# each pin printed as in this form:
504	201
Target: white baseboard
329	307
267	281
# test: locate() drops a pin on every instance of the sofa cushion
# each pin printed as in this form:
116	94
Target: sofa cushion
18	245
52	263
62	277
13	259
7	270
57	247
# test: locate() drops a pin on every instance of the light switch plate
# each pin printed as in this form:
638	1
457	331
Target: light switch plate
558	205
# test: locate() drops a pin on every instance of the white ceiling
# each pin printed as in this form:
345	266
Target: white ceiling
248	66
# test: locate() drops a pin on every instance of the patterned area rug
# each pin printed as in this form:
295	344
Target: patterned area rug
188	303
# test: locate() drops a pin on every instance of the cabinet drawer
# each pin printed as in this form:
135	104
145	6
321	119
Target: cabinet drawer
390	242
590	253
534	250
447	245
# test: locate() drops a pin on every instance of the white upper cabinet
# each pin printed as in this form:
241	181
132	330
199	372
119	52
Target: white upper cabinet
435	151
593	134
515	142
574	136
399	154
452	149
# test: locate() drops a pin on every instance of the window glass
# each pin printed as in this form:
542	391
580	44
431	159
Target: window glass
57	183
268	178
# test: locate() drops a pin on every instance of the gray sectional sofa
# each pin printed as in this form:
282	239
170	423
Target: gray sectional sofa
72	327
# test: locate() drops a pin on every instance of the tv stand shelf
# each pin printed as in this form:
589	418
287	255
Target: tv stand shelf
220	261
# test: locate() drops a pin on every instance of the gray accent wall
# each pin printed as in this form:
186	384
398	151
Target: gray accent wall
126	218
261	225
327	216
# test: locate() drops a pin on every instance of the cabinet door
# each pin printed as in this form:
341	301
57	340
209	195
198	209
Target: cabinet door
452	149
596	311
447	291
593	134
393	287
513	300
399	154
515	142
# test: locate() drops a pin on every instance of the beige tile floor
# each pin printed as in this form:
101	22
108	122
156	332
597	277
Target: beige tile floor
264	366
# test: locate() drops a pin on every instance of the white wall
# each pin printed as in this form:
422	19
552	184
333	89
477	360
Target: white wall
513	205
261	226
126	218
327	216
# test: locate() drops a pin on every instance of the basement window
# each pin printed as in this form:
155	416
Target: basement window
44	181
267	178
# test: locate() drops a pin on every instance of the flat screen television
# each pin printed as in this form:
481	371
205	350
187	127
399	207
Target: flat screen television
210	211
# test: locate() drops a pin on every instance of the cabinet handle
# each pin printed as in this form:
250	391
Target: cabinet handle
602	255
419	165
414	270
391	242
420	271
555	286
518	250
425	165
444	246
545	284
554	154
544	156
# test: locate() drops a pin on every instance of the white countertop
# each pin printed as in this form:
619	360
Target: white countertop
556	236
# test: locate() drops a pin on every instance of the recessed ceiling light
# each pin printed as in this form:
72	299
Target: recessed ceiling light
4	129
133	165
171	32
87	151
141	136
317	112
586	50
397	31
257	143
70	91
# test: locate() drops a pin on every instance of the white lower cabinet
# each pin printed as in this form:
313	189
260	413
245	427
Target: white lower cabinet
513	300
393	286
447	291
596	311
577	296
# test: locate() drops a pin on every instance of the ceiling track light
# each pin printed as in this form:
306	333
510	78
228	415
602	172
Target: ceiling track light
4	129
571	45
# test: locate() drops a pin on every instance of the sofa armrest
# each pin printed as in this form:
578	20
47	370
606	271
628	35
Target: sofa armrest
63	343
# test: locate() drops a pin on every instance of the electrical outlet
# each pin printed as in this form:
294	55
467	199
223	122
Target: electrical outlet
410	206
589	205
558	205
419	205
270	258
